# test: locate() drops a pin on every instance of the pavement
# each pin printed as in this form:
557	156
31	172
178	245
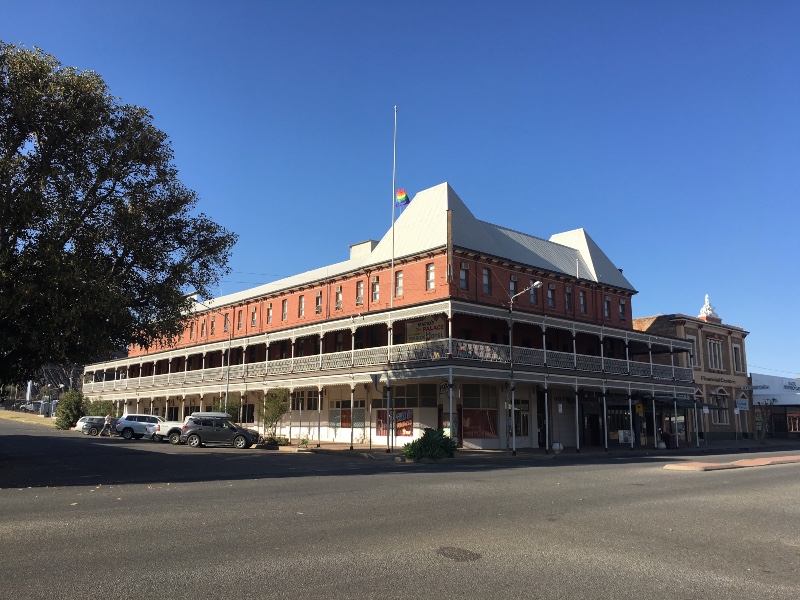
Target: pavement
772	451
775	451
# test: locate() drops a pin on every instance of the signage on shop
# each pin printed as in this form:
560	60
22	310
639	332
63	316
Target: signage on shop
425	329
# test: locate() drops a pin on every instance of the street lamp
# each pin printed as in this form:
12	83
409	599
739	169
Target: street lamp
512	384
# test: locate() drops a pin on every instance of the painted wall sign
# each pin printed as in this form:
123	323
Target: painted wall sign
425	329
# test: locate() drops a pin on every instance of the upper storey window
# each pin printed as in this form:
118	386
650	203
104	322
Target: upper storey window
487	281
376	288
430	276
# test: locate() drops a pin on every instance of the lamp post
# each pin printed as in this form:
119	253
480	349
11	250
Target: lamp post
512	383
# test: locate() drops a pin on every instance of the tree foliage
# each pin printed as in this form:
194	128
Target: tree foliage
271	410
71	407
99	243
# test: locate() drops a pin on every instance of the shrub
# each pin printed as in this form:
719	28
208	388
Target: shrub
98	408
275	440
433	444
70	409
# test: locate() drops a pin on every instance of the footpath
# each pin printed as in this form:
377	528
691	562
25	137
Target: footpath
685	458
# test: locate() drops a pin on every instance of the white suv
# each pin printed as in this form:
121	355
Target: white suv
135	426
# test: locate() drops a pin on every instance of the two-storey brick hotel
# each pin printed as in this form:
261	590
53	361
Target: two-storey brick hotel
506	339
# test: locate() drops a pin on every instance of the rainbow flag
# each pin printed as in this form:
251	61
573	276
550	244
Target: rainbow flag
402	198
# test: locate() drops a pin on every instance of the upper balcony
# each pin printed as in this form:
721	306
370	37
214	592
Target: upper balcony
460	352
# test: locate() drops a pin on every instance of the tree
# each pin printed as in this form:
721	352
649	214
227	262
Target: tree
763	417
272	408
70	409
99	243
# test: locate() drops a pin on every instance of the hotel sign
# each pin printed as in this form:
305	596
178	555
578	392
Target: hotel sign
426	329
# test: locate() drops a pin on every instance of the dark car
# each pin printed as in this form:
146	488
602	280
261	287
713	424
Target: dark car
200	430
95	425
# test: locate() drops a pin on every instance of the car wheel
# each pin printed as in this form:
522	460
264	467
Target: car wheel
193	441
157	438
93	431
175	438
240	442
127	433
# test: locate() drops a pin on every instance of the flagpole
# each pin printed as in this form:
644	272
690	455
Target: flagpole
394	175
389	419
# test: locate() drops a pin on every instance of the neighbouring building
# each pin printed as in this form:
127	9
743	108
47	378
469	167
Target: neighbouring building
780	399
719	407
500	338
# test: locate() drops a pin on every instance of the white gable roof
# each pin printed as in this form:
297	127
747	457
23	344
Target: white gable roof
422	226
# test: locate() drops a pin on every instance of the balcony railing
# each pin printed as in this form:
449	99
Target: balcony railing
465	350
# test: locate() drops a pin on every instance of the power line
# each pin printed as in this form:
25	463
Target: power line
775	370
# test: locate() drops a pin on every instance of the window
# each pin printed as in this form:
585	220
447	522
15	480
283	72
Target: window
621	309
318	303
551	295
191	331
430	275
534	298
301	306
568	298
253	317
738	364
213	324
338	297
607	307
312	400
398	283
719	415
239	320
463	279
269	313
694	360
487	282
284	310
512	285
226	322
479	419
582	301
338	342
715	355
203	328
359	293
376	288
298	400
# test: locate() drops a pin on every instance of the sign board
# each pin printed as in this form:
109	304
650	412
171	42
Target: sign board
754	387
639	409
427	328
376	379
560	408
444	387
741	404
706	410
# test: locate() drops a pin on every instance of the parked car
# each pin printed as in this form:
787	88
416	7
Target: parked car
135	426
165	430
88	419
200	430
94	428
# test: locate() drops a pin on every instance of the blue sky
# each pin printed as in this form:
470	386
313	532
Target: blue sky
670	131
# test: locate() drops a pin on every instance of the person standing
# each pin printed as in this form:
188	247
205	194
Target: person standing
106	426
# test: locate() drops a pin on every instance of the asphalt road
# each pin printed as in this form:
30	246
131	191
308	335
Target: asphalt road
150	519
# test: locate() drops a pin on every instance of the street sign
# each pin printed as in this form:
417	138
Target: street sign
741	404
376	379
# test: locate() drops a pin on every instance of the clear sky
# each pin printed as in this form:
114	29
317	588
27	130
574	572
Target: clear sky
670	131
